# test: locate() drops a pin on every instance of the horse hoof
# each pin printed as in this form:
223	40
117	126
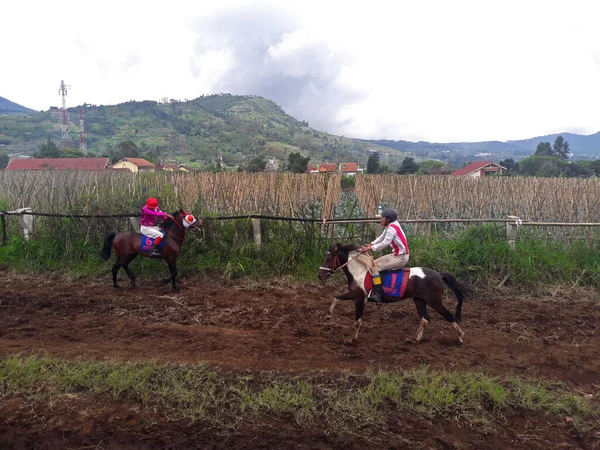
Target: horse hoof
412	341
460	341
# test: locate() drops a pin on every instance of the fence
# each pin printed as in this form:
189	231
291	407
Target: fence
326	226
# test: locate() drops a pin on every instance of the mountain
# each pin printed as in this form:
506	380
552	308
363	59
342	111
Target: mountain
201	132
235	128
581	146
10	108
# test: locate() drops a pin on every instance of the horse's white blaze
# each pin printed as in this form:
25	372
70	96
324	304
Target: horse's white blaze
416	272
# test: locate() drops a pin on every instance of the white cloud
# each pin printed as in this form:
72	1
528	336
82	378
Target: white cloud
432	70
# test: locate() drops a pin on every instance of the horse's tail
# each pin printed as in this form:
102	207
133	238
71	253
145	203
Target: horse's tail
107	248
461	291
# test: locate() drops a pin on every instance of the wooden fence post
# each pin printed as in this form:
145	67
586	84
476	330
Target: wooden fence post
135	223
26	221
512	229
256	230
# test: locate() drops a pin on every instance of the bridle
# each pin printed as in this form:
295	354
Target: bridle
336	260
184	229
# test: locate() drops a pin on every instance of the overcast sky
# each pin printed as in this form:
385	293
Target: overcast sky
438	71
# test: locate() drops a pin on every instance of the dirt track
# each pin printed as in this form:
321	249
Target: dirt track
283	326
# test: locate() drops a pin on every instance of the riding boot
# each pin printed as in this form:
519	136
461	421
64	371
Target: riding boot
155	249
377	291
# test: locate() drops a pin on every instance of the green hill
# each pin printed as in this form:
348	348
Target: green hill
11	108
197	132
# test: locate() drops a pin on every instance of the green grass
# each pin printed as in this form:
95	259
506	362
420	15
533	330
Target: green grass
342	401
480	255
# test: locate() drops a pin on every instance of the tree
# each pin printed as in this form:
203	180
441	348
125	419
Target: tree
3	161
373	163
595	167
561	148
408	166
48	150
510	165
297	163
256	164
72	153
431	165
544	149
125	149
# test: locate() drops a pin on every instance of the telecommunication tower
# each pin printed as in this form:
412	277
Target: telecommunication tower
82	140
65	141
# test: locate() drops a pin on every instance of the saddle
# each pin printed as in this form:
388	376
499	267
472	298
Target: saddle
394	282
147	244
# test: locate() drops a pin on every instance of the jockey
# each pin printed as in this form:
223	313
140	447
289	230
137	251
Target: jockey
148	227
392	236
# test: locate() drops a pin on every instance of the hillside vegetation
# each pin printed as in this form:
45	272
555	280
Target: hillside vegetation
197	132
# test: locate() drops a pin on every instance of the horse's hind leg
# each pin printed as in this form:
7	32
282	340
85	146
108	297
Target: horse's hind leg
439	307
424	315
115	270
128	270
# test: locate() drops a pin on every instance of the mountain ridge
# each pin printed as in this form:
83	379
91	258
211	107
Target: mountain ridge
11	108
232	129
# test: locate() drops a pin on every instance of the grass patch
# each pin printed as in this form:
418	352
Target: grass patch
341	401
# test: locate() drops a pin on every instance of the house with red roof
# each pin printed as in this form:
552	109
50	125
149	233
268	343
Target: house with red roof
58	164
350	169
135	165
480	169
327	168
311	168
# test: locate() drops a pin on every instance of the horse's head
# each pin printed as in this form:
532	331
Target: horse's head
183	220
189	221
336	257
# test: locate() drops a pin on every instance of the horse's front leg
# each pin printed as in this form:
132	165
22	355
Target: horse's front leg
173	270
337	298
360	302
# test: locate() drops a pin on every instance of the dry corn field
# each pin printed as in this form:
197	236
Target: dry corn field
414	197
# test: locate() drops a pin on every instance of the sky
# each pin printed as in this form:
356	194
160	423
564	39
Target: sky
436	71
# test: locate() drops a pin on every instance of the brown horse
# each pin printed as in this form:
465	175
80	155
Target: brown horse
128	245
425	286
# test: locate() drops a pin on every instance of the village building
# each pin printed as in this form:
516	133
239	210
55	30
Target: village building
58	164
480	169
135	165
350	169
327	168
173	168
311	168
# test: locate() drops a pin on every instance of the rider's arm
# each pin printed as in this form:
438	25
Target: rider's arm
380	238
386	239
149	212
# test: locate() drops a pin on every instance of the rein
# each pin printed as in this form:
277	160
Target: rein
337	260
177	237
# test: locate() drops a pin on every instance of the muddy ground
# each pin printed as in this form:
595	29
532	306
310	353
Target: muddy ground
283	326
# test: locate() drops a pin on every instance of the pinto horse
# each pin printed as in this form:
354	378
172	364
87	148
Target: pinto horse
425	286
128	245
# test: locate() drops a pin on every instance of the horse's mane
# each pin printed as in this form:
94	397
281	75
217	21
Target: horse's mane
168	222
349	247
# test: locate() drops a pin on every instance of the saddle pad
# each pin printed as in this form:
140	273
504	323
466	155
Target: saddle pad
394	282
147	244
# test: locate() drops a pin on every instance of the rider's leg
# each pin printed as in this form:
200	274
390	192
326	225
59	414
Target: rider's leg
156	234
387	262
